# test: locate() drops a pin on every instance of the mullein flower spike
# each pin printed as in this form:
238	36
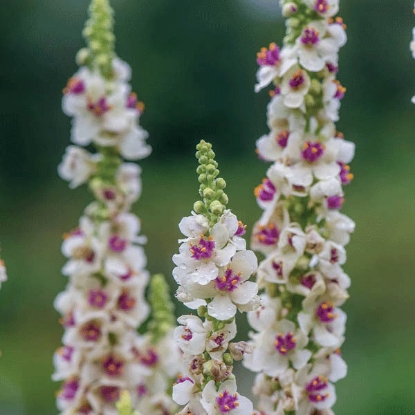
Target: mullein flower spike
300	327
103	303
212	270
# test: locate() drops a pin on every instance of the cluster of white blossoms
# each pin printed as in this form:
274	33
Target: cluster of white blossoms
103	303
300	327
212	270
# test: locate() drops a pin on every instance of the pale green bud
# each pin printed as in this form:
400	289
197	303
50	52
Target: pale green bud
82	56
315	87
199	207
289	9
216	207
293	22
309	100
208	193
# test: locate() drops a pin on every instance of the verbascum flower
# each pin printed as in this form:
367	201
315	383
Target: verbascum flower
103	303
299	327
213	269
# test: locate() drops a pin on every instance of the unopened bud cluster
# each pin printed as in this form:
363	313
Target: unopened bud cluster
300	326
212	269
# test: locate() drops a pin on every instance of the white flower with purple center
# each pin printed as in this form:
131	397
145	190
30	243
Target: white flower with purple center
294	87
312	389
225	401
273	63
325	8
325	321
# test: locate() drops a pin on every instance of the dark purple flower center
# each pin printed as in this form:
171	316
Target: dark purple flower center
91	331
275	91
109	194
312	151
345	176
187	334
86	409
284	344
265	191
314	388
68	320
69	389
297	79
310	36
66	352
204	249
228	282
117	244
142	390
268	235
126	302
241	229
334	256
113	366
321	6
181	379
110	394
150	358
308	281
277	267
226	402
335	202
97	298
270	56
325	312
340	90
282	138
99	107
332	68
74	86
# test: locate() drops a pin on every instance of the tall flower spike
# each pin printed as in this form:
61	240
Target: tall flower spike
212	270
412	48
103	304
300	326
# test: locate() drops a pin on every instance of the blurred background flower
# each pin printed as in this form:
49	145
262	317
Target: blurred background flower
194	67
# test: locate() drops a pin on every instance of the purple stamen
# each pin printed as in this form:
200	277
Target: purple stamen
308	281
312	151
150	358
334	256
269	57
117	244
284	344
68	320
187	335
335	202
325	312
110	394
126	302
316	385
268	235
277	266
66	352
75	86
97	298
69	389
90	331
204	249
282	138
113	367
142	390
332	68
345	176
109	194
226	402
297	79
265	191
241	229
99	107
321	6
340	91
310	37
228	282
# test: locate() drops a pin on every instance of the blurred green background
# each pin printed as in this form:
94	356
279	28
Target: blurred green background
194	67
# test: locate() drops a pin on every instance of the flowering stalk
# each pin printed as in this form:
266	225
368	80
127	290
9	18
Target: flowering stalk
103	303
412	49
212	270
299	326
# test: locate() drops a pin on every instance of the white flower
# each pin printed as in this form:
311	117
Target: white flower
77	166
294	86
225	401
325	8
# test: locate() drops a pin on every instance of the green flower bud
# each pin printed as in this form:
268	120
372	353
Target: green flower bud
216	207
199	207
